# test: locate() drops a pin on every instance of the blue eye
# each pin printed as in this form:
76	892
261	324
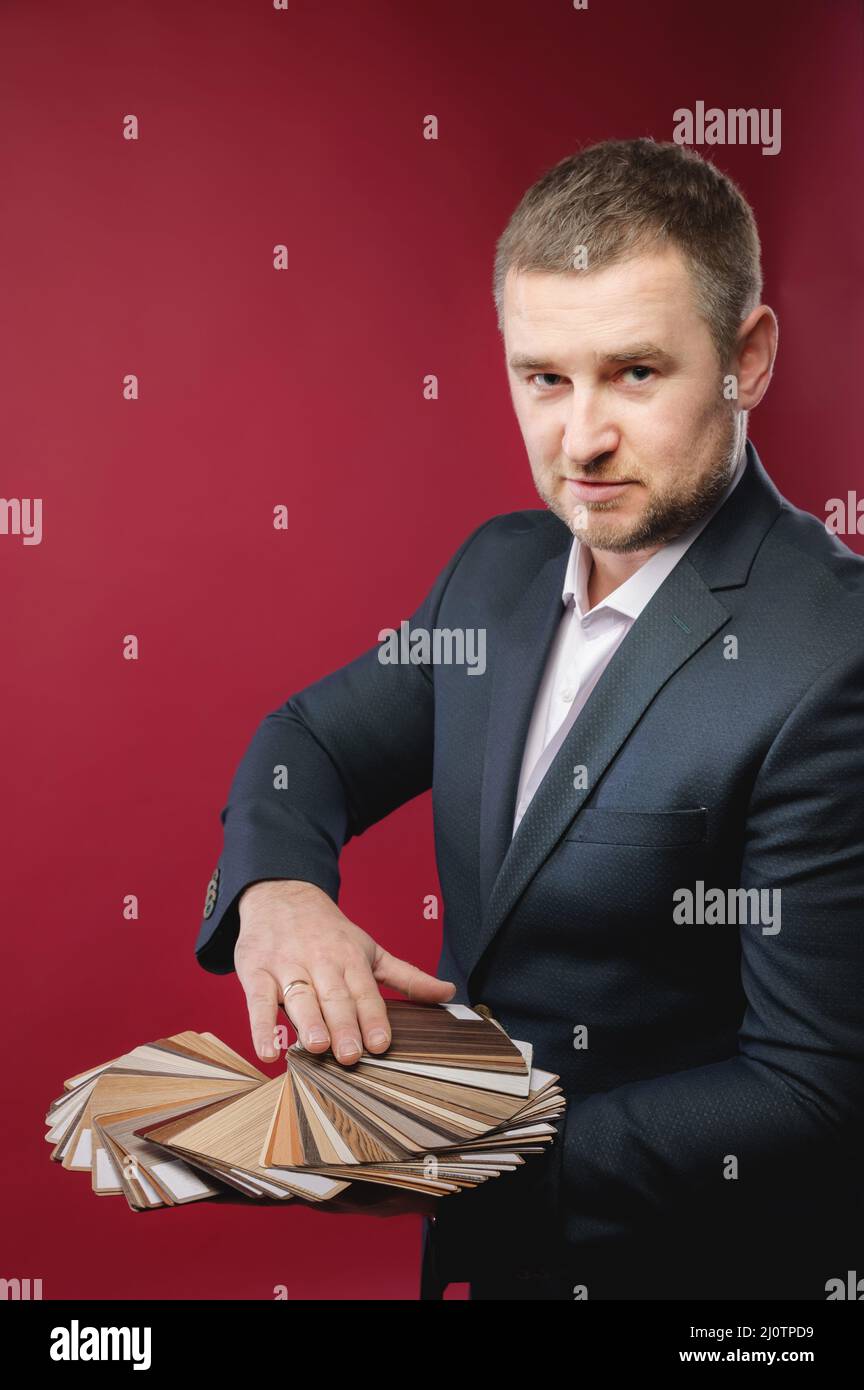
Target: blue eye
648	370
547	374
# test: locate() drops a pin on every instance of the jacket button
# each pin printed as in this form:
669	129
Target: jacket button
212	894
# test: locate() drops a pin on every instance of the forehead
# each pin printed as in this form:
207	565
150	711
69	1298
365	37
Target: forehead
646	297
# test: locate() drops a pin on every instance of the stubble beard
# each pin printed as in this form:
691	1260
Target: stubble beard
666	516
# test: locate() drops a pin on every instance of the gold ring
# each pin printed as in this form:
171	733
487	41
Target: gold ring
292	984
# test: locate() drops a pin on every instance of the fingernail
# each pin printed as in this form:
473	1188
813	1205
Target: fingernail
350	1048
379	1036
316	1035
268	1051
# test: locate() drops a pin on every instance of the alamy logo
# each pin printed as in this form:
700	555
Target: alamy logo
721	906
77	1343
845	517
850	1288
448	646
20	1290
22	516
738	126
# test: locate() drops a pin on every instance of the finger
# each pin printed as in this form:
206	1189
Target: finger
262	998
371	1009
340	1015
411	980
302	1007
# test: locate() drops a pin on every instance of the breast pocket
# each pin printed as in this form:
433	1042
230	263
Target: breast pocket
608	826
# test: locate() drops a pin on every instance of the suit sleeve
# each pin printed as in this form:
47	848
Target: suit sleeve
352	747
792	1096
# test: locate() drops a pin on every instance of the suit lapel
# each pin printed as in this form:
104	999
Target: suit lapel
679	619
521	648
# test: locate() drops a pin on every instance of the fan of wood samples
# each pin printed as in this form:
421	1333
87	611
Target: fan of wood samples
451	1103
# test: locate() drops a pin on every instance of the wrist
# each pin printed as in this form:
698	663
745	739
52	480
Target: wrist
278	890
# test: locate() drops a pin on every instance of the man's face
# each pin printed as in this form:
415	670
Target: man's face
615	380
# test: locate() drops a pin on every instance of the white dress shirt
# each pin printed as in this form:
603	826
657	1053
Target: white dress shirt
586	640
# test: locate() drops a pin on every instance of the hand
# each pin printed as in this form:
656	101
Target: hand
291	930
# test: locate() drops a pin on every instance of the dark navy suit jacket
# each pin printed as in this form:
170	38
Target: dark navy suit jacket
712	1140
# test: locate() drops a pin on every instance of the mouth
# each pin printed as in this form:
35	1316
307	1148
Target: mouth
595	492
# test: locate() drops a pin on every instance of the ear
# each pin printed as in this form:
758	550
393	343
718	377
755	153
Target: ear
753	357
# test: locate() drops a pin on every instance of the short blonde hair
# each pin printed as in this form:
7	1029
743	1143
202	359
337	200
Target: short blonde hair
622	197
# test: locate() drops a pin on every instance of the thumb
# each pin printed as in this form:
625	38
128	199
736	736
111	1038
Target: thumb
410	980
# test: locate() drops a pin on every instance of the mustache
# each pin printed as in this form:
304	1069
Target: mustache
602	469
597	475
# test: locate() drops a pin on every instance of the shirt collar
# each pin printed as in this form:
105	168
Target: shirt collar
633	595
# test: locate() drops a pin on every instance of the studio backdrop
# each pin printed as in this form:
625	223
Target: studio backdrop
254	398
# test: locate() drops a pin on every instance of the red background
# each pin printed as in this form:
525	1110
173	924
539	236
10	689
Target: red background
303	387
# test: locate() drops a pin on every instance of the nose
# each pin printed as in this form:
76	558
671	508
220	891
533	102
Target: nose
588	429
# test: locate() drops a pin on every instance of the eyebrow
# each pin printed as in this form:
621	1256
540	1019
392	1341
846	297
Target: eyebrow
639	352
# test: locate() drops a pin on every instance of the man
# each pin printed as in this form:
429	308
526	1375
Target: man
648	807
